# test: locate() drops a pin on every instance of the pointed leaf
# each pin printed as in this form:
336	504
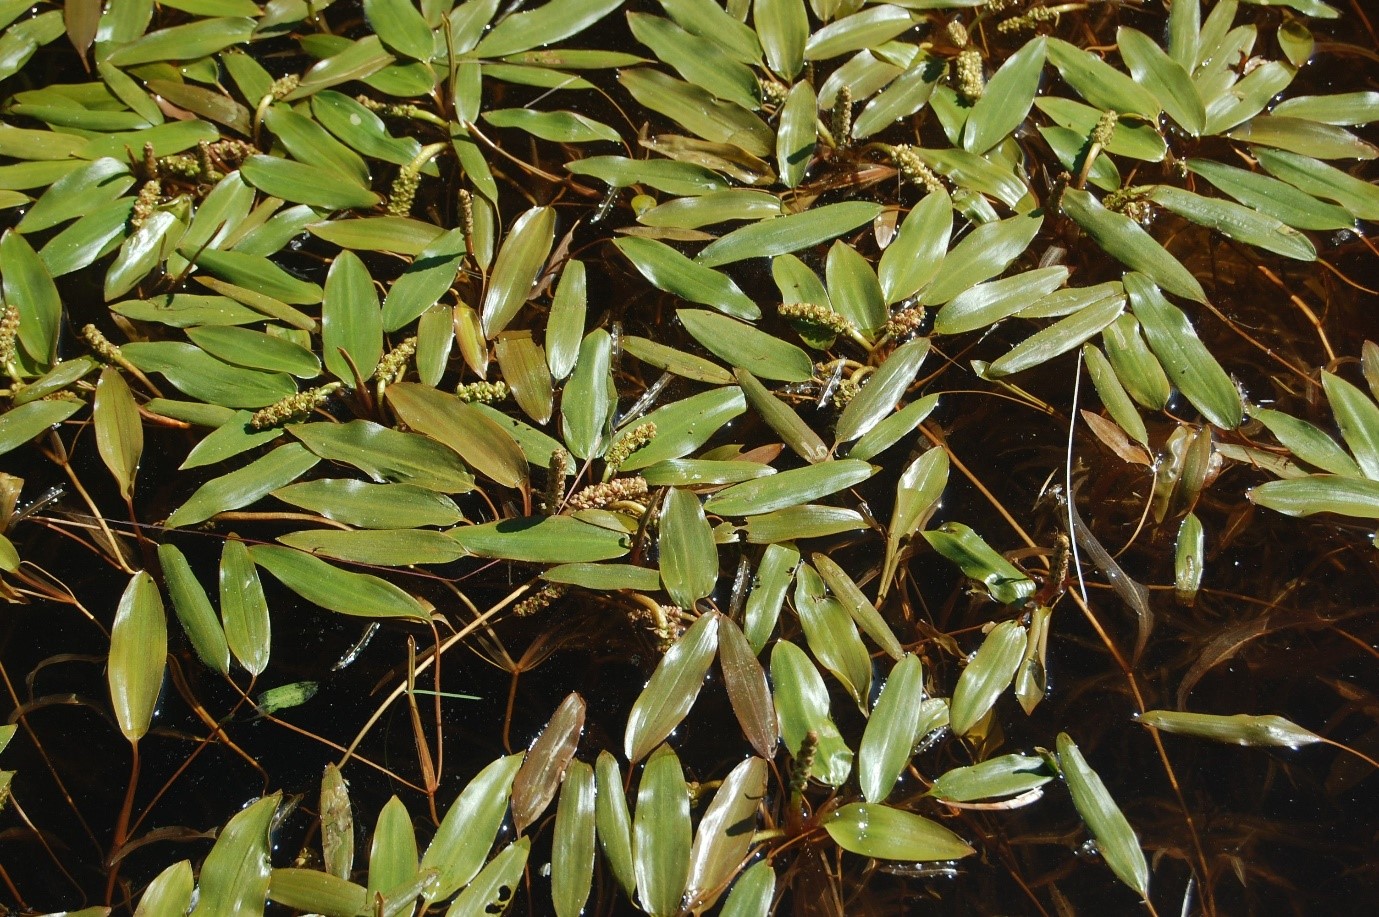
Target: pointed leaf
893	834
194	609
671	271
1123	239
466	834
138	654
235	875
742	345
614	822
1116	839
119	431
351	320
1358	418
802	707
748	691
987	675
892	730
1240	729
791	233
482	443
572	846
542	540
661	834
1006	100
1236	222
543	768
672	689
519	262
1320	493
725	833
914	255
243	609
335	589
590	398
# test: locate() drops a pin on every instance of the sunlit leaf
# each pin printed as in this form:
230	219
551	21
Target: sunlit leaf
387	455
985	252
305	184
138	654
789	488
996	778
672	688
547	540
1239	729
1236	222
351	320
1319	493
661	834
1115	838
614	821
752	893
791	233
979	561
235	876
914	255
1123	239
893	834
572	847
892	730
781	418
471	824
796	138
671	271
782	26
831	634
1006	100
802	707
483	444
194	609
542	770
589	399
243	609
742	345
724	835
544	25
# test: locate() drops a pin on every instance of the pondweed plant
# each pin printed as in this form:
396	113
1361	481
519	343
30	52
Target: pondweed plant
747	340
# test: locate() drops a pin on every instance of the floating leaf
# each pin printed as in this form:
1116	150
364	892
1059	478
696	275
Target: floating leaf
661	834
1165	77
1306	138
782	26
240	488
1320	493
985	252
792	233
914	255
918	492
689	558
996	778
304	184
675	361
752	893
235	876
1188	363
1123	239
978	561
387	455
467	832
243	609
1099	83
1059	337
796	139
781	418
662	174
548	540
169	893
613	821
119	432
572	847
307	889
351	320
590	398
892	730
138	654
987	675
1119	846
686	425
789	488
858	606
402	547
1321	180
893	834
704	116
423	283
334	589
194	609
796	522
1006	100
542	770
1236	222
519	262
802	707
1358	418
777	567
605	577
671	271
831	635
481	442
724	835
1240	729
1307	442
672	688
547	24
742	345
698	60
748	691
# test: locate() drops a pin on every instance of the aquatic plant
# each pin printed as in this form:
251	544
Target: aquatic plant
593	332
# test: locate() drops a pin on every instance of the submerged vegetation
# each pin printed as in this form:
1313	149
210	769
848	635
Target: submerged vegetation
833	457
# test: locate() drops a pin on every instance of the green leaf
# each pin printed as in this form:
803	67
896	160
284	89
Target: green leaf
1165	77
194	609
21	424
987	303
1135	366
781	418
1123	239
400	547
774	572
387	455
200	38
119	431
796	522
141	252
572	846
398	235
893	834
466	834
978	561
545	25
892	730
996	778
853	288
905	96
1099	83
613	821
671	271
240	488
740	344
662	174
138	654
1188	559
492	890
915	254
28	286
1307	442
243	609
1306	138
796	138
334	589
988	674
523	364
519	262
88	239
1006	100
258	274
781	235
1321	180
1186	360
832	636
984	253
1130	137
556	126
865	29
782	26
309	142
425	281
1059	337
686	365
605	577
789	488
850	596
699	112
565	322
351	320
483	444
672	689
1272	197
590	398
1342	108
1358	418
683	426
236	873
1240	729
1119	846
170	893
401	27
689	557
542	540
916	495
256	350
802	707
698	60
723	839
302	183
661	834
307	889
1236	222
